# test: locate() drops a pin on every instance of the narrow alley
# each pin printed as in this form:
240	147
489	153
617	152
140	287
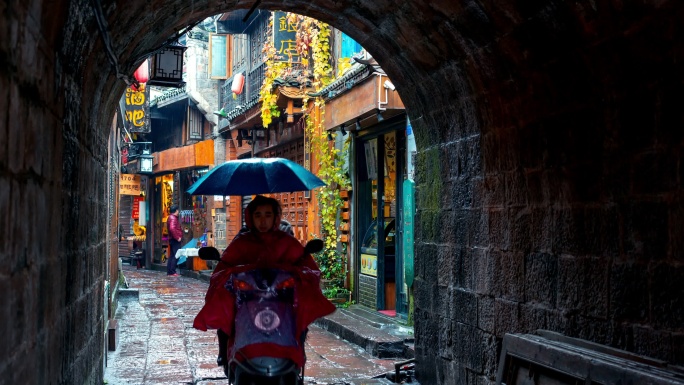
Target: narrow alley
156	343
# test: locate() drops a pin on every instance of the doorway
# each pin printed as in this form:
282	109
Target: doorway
379	177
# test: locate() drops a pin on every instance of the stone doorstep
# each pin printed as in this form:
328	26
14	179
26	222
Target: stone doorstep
351	326
133	294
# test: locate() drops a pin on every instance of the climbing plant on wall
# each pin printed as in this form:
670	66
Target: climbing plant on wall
314	50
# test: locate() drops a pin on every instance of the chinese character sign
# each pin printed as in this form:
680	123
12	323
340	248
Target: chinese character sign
285	38
137	109
129	184
135	212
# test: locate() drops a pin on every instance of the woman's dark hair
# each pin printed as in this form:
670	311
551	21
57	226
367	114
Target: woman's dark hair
173	209
261	200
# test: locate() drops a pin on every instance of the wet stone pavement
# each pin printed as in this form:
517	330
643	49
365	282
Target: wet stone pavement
158	345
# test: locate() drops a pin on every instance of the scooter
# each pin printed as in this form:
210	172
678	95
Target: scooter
264	320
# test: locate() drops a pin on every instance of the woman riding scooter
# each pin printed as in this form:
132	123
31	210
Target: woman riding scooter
264	244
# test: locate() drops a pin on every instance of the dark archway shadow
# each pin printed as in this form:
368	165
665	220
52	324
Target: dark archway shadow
549	175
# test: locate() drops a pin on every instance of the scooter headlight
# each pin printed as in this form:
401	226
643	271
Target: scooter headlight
266	320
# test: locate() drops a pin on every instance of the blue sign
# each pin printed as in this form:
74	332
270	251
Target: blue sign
409	225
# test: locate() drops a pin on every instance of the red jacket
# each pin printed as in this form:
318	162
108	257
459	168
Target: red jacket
270	249
174	226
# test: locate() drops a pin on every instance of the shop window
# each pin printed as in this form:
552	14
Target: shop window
219	56
195	122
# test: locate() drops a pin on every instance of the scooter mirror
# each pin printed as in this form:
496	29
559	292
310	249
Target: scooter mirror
209	253
314	246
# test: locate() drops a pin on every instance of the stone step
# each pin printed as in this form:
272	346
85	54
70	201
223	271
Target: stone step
378	335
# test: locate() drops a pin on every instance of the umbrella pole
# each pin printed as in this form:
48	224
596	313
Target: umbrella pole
225	222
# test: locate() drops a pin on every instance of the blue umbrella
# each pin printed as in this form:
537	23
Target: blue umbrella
255	176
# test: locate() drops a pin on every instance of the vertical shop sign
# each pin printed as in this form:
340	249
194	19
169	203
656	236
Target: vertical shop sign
129	184
285	38
137	109
409	213
135	212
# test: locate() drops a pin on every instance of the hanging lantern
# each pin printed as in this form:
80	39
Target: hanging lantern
238	83
166	67
142	74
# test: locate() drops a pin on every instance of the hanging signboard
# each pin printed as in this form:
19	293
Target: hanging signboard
129	184
409	215
285	38
137	109
135	212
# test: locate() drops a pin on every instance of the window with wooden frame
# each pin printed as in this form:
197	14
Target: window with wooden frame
195	123
220	48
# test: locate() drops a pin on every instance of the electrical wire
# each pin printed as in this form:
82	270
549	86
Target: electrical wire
106	40
102	26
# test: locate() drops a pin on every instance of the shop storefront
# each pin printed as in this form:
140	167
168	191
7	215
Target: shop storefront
194	216
380	153
175	170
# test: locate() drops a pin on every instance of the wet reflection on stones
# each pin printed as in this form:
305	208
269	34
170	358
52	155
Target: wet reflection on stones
157	344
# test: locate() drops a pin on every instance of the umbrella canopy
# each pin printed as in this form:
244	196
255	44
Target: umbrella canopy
255	176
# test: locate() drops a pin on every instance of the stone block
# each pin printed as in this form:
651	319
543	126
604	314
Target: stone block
569	282
499	229
486	314
541	278
507	317
508	275
446	265
667	296
647	233
521	235
484	266
465	307
628	292
652	343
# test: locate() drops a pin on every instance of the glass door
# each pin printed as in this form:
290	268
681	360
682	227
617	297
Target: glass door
379	180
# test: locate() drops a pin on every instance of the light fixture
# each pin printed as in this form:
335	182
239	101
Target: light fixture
358	124
166	67
146	164
342	130
380	118
388	84
330	137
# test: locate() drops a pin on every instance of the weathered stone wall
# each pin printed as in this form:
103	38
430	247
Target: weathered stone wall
551	196
549	171
53	163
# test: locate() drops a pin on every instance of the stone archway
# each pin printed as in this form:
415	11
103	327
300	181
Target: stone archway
549	171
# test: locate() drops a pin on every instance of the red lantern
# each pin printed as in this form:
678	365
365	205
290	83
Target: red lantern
142	74
238	83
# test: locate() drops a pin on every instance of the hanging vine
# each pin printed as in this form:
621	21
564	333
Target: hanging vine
313	47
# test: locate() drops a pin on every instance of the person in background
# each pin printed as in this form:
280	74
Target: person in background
175	236
263	242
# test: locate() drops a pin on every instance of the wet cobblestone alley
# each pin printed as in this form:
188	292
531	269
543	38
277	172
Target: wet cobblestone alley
158	345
